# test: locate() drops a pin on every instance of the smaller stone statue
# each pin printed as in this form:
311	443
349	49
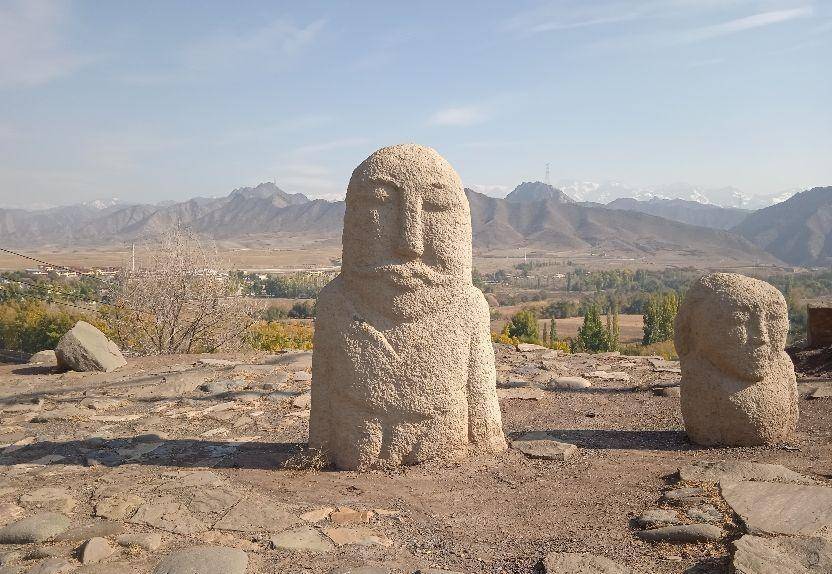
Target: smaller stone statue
738	384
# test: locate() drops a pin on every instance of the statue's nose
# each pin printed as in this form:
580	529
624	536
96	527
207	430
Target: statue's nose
411	242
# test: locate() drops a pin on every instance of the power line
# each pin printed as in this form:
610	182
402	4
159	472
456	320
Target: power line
42	262
48	298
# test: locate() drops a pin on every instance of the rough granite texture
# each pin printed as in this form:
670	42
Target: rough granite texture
85	348
403	370
738	384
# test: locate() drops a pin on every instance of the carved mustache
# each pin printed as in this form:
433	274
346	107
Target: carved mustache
409	270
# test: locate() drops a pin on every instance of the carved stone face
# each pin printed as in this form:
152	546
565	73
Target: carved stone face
407	231
738	324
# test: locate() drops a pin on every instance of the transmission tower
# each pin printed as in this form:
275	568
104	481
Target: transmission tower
547	174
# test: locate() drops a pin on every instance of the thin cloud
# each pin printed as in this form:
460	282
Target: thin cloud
748	23
32	46
331	145
459	116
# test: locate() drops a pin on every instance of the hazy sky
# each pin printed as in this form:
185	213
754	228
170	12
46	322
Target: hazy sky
166	100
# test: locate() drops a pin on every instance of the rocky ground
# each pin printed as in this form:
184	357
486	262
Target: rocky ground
187	464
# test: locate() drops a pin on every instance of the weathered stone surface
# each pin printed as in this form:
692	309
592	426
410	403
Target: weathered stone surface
403	365
705	513
100	528
772	508
204	560
49	498
781	555
684	533
661	365
318	514
303	401
672	391
36	528
685	496
569	383
118	507
166	513
85	348
530	348
738	470
738	383
46	358
347	515
54	565
361	570
95	550
821	392
212	362
147	541
217	499
257	515
304	538
657	517
581	563
9	512
547	449
358	536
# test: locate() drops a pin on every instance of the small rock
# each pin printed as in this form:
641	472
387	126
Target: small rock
301	376
304	538
546	449
609	375
581	563
36	528
708	513
569	383
684	533
46	357
656	517
204	560
685	496
738	470
95	550
150	542
118	508
821	392
211	362
674	391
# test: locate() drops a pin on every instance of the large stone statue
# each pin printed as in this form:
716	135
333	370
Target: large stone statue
403	369
738	384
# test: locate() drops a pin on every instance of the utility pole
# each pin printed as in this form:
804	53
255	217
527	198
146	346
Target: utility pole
133	258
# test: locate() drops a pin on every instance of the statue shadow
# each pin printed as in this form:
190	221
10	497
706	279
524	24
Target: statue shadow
662	440
154	451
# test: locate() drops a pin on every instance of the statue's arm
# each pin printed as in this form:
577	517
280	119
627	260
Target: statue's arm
485	427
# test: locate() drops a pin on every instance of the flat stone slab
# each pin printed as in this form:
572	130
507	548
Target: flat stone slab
204	560
305	539
166	513
684	533
546	449
257	515
569	383
581	563
773	508
36	528
821	392
530	348
739	470
664	366
781	555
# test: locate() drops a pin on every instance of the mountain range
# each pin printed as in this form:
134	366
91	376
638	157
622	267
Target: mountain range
534	215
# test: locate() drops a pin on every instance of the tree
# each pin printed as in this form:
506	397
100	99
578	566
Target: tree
182	299
659	314
523	326
553	332
613	329
592	336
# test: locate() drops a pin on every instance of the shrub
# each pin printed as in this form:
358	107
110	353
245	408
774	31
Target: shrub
275	336
664	349
523	327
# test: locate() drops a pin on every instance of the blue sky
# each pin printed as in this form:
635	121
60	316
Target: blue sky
152	101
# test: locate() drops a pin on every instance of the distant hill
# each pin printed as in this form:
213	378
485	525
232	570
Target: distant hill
692	212
557	226
553	223
798	231
530	191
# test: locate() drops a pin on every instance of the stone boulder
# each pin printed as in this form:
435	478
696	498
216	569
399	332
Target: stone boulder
738	385
85	348
46	358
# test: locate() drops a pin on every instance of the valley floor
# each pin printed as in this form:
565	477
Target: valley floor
210	454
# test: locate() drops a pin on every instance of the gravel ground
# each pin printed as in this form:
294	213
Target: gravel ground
213	454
